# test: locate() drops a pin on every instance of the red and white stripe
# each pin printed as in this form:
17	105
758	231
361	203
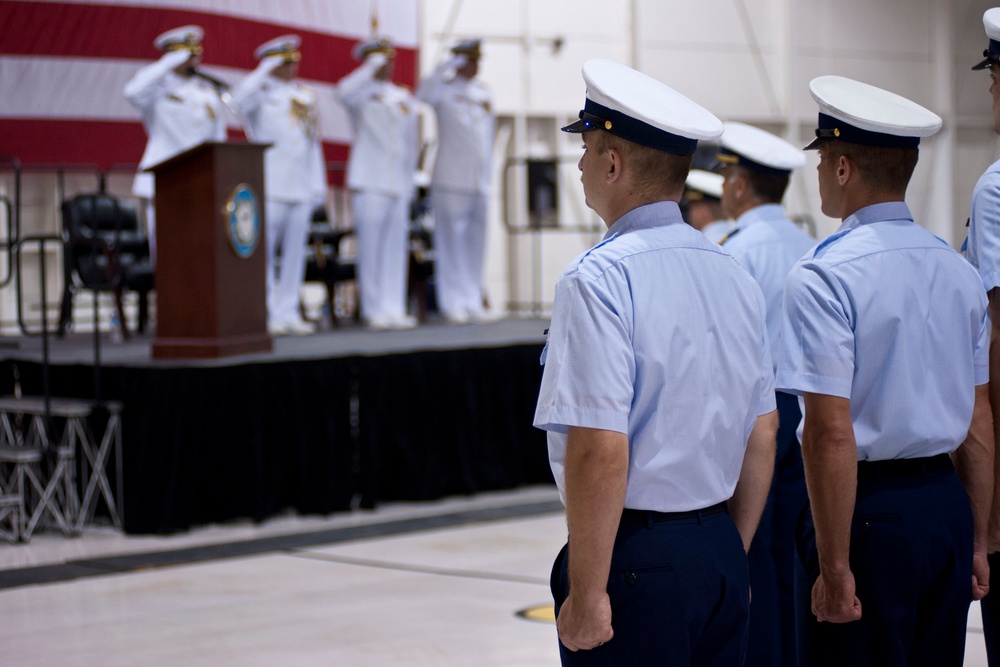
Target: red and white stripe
63	65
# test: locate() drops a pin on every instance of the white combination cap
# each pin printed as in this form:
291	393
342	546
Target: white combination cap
756	149
634	106
186	37
705	183
470	48
991	22
858	113
286	46
381	45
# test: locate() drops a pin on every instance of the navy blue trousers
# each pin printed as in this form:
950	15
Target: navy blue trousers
990	606
679	596
772	552
911	555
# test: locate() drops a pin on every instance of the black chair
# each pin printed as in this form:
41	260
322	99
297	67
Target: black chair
325	261
104	250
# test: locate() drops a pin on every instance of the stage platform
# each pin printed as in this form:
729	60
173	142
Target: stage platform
339	419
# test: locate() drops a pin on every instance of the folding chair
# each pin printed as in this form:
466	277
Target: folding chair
26	453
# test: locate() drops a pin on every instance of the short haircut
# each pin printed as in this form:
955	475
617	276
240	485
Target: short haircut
654	172
881	169
768	187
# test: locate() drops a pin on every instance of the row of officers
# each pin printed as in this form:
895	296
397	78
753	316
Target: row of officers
183	107
772	451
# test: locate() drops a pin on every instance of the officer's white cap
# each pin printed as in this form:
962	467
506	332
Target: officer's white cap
382	45
858	113
183	37
470	48
756	149
286	45
706	183
634	106
991	22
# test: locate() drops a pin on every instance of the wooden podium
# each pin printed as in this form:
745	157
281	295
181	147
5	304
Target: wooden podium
211	253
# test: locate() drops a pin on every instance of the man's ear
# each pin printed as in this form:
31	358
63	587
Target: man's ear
614	165
740	183
844	169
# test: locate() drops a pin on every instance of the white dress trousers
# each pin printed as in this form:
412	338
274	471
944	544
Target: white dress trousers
380	176
284	114
460	185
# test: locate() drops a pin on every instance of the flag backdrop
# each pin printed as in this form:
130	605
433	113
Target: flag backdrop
63	65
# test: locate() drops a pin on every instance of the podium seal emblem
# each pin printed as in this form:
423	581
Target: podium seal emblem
243	220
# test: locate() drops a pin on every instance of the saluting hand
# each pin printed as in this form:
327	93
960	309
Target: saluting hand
834	599
585	625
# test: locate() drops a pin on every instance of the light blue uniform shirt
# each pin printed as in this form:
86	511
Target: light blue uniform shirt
714	231
885	314
659	334
982	247
767	244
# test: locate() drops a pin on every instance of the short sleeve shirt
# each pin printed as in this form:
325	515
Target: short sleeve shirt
983	244
767	244
887	315
659	334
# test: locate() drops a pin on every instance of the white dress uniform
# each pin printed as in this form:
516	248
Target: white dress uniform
380	175
460	183
178	112
284	114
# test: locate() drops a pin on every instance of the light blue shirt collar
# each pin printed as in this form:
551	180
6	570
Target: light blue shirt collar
657	214
894	210
883	212
759	214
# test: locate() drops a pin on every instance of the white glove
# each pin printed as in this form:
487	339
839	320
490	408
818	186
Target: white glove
271	63
173	59
458	62
376	60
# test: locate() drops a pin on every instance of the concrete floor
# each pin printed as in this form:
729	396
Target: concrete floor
446	594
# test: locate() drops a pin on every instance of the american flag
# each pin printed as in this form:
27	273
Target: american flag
63	65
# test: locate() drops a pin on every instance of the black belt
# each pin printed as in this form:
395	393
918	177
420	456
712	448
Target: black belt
644	516
904	467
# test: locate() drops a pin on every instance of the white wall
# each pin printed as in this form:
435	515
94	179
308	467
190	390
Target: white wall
748	60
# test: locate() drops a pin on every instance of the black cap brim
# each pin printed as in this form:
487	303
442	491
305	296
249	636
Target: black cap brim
817	142
588	123
990	57
987	62
578	127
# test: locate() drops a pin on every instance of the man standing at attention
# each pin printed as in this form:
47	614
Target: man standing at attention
758	166
380	176
886	338
179	109
283	113
460	184
983	250
658	399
